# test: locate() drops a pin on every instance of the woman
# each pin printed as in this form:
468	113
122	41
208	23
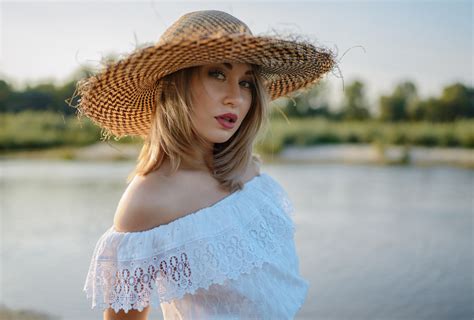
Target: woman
199	231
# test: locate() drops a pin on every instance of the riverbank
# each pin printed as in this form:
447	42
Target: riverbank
9	314
374	154
331	153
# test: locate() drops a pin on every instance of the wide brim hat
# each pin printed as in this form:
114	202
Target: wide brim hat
121	98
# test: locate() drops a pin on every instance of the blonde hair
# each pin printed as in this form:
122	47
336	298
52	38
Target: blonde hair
172	135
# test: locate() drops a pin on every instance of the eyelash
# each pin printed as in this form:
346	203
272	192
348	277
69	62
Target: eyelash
214	72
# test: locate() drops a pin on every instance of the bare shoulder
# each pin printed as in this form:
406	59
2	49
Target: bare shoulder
138	207
155	199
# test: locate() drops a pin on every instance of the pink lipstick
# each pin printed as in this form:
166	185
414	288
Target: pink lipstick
227	120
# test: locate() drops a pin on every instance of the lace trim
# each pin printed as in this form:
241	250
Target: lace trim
131	284
136	283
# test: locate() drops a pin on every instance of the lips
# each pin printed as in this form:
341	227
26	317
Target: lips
231	117
225	123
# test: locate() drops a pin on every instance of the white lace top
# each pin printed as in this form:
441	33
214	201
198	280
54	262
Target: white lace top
235	259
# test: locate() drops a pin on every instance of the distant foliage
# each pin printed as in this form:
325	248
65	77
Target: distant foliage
395	107
41	97
41	116
355	105
29	130
309	132
455	103
44	129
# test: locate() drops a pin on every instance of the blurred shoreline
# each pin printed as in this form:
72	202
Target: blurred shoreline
330	153
381	155
24	314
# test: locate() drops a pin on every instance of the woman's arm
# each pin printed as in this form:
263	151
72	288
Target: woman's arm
109	314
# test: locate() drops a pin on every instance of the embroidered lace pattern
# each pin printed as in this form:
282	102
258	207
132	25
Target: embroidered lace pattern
212	246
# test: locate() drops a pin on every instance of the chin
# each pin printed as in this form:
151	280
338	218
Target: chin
222	140
222	137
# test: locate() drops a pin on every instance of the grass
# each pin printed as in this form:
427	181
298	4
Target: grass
31	130
311	132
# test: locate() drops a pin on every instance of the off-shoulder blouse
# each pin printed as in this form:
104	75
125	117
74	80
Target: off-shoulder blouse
235	259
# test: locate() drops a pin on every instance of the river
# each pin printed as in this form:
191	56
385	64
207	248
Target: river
375	242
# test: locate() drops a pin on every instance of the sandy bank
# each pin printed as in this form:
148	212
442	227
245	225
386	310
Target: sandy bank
358	153
334	153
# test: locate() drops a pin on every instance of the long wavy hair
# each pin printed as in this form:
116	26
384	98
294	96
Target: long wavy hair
172	135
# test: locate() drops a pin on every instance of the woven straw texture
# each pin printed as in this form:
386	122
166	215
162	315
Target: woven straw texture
121	97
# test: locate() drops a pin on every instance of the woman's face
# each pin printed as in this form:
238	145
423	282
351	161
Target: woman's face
218	89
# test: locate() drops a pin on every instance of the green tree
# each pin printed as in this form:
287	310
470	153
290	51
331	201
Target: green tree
355	106
395	107
42	97
456	102
5	95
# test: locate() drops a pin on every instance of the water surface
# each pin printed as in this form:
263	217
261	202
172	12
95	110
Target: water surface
374	242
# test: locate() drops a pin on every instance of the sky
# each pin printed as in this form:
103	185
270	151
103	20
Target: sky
380	43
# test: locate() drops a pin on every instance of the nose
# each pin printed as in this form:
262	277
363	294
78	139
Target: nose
233	94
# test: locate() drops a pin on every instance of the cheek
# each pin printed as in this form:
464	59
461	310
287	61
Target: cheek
206	95
210	91
200	99
248	102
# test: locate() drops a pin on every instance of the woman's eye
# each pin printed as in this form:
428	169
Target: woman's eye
249	84
221	76
216	74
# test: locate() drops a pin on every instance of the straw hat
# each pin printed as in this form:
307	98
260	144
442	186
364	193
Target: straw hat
121	98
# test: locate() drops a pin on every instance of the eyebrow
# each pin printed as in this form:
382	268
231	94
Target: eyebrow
229	66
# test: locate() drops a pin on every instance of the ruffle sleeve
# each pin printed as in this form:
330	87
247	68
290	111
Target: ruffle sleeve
132	270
